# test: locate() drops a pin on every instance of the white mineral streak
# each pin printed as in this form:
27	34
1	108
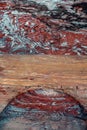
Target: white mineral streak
77	50
64	44
51	4
10	29
84	46
48	92
7	22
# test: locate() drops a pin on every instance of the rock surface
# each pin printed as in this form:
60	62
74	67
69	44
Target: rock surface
62	73
30	27
43	109
57	27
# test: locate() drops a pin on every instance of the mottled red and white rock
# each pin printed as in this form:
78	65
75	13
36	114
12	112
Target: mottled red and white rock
30	27
43	109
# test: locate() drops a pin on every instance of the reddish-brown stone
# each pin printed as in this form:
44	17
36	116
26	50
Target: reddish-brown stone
32	28
53	108
48	100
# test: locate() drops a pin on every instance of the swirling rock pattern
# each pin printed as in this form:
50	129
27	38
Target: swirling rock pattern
30	27
43	110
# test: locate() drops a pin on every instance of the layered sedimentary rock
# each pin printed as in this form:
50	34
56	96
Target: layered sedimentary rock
42	83
42	27
43	110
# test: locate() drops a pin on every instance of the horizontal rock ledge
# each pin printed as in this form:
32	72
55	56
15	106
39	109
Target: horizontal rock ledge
65	73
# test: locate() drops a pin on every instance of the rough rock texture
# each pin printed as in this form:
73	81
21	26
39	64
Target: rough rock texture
60	73
30	27
42	27
43	110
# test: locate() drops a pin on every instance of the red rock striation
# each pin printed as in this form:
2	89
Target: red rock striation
30	27
47	109
48	100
